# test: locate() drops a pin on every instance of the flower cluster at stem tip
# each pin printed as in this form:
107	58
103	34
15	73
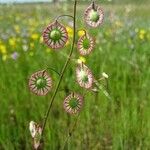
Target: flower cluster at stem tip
55	36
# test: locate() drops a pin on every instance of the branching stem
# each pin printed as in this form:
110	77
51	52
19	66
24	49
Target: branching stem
63	70
49	68
64	16
70	132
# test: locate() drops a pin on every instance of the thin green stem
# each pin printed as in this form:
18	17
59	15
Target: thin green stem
53	70
100	87
64	16
70	132
93	5
63	70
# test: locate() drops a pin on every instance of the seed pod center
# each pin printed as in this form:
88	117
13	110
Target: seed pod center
73	103
84	76
86	43
55	35
94	16
41	83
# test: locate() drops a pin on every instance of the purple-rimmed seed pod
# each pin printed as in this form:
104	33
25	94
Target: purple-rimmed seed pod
73	103
94	15
85	44
40	83
84	76
55	35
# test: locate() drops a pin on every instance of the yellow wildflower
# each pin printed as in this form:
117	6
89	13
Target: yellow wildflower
12	42
3	49
81	59
35	36
4	57
142	34
142	31
70	31
81	33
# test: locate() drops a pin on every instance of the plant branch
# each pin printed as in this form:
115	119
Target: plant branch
71	132
64	16
52	69
63	70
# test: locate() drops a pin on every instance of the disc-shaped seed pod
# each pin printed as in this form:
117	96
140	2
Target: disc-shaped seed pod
55	35
84	76
40	83
85	44
73	103
94	15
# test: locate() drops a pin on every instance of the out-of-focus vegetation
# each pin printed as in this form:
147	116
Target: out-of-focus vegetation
116	121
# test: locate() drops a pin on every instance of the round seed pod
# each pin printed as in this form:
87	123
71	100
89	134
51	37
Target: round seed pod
55	35
73	103
94	15
84	76
85	44
40	83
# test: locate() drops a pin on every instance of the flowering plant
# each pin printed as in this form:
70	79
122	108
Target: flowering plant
55	36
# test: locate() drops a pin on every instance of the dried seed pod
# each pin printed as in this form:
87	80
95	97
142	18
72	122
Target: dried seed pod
85	44
84	76
55	35
40	83
94	15
73	103
36	131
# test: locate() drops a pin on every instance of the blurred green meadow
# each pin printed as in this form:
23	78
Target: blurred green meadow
116	118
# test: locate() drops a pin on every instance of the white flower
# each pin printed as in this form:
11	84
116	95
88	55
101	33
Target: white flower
32	128
36	132
105	75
